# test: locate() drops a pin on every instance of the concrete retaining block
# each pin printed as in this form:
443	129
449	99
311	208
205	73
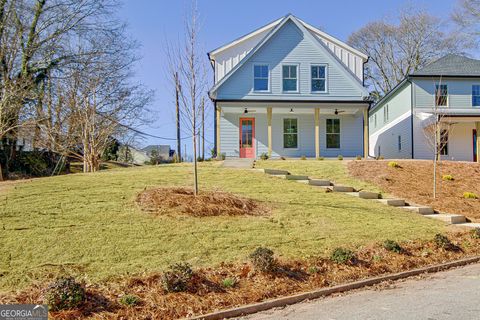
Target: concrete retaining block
420	210
368	195
296	177
318	182
392	202
448	218
276	172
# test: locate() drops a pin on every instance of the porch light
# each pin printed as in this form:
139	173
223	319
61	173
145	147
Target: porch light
245	111
291	110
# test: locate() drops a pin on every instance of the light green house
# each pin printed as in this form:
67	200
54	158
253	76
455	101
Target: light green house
400	123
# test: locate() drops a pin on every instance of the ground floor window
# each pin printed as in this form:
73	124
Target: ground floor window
399	143
333	133
290	133
444	143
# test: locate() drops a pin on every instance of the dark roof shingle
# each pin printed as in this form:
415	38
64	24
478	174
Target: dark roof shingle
451	65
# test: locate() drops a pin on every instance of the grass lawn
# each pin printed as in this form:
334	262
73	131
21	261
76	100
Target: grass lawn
89	225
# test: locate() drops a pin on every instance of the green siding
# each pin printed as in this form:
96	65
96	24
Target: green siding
398	104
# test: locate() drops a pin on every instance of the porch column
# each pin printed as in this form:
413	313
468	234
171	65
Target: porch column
317	132
269	130
365	133
219	114
477	126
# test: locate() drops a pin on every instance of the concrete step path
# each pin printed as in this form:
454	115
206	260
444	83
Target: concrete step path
419	209
457	219
448	218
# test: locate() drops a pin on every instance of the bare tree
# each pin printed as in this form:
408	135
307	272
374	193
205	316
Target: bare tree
467	17
396	50
436	130
187	60
178	88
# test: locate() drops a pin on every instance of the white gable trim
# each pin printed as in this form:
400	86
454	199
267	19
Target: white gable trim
312	38
245	37
334	40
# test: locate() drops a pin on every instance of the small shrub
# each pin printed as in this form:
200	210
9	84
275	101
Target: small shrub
442	241
447	177
340	157
470	195
200	159
358	157
380	158
223	155
475	233
262	259
313	270
64	293
320	158
129	300
177	278
393	246
342	256
393	164
283	158
264	156
229	282
303	158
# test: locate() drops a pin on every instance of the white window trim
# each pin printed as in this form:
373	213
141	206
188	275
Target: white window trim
471	97
268	81
298	133
340	134
435	96
298	77
326	77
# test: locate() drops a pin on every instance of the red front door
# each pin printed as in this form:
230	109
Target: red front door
247	137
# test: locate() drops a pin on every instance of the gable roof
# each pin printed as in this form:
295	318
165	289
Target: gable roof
451	65
272	32
275	23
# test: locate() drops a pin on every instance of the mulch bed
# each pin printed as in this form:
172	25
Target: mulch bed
206	294
179	200
413	181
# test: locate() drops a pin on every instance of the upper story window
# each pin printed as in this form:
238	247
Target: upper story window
386	114
441	95
375	120
319	78
260	78
290	78
476	95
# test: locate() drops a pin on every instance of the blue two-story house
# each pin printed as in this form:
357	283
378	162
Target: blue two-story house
445	92
289	89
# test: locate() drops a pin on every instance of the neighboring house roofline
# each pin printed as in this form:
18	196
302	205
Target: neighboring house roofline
390	93
287	18
444	76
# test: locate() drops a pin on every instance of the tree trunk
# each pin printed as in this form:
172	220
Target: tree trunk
195	169
203	129
177	110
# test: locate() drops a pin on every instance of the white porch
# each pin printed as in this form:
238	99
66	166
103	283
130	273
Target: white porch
346	122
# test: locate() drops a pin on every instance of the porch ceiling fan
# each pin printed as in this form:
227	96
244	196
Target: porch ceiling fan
339	111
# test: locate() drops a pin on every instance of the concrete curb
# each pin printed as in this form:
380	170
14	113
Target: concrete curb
284	301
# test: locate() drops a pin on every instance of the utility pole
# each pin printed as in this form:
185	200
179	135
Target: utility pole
203	129
177	111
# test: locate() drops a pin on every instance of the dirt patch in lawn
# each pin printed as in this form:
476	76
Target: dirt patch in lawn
413	180
206	203
207	292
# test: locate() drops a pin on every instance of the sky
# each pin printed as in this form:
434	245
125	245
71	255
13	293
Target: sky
152	22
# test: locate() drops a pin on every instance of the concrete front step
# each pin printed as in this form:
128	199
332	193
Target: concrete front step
468	225
296	177
339	188
276	172
392	202
364	194
448	218
420	210
319	182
